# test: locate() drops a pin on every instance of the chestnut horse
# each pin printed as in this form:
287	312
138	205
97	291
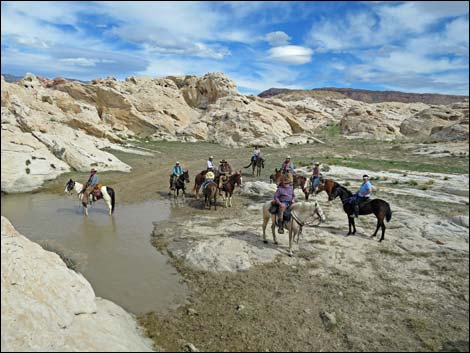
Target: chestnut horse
299	181
229	186
198	181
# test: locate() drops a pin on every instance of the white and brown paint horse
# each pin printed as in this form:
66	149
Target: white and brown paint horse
302	213
107	193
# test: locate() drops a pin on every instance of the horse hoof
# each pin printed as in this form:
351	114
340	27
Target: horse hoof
276	243
265	241
291	254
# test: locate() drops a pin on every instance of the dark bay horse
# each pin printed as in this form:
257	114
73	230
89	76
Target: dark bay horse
229	186
180	184
210	194
299	181
380	208
258	164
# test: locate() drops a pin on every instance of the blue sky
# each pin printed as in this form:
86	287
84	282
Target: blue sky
406	46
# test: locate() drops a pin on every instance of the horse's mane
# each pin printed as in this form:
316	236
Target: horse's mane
338	185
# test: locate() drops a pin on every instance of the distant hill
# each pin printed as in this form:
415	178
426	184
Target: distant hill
14	78
367	96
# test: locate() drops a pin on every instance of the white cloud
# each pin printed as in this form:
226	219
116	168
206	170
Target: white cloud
291	54
80	61
277	38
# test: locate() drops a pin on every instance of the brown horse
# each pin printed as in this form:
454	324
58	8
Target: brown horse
229	186
258	164
299	181
380	208
210	193
198	181
326	185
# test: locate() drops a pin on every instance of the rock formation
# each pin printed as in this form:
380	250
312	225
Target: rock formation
48	307
52	126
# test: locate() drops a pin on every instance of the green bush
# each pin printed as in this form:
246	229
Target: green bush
28	162
28	170
334	130
413	182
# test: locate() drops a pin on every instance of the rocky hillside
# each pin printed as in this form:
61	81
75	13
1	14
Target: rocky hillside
52	126
46	307
367	96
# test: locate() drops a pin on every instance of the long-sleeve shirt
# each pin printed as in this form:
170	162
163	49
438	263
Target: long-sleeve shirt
257	152
287	167
316	171
284	193
210	164
93	180
177	170
225	169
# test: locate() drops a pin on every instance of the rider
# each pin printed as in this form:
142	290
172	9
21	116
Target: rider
177	171
224	170
316	174
209	177
363	194
256	154
284	198
287	168
210	163
89	185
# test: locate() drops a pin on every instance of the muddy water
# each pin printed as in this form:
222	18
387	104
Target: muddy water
121	264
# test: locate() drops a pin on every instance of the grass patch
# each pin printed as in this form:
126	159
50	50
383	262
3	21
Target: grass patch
333	130
28	170
395	182
430	182
28	162
413	182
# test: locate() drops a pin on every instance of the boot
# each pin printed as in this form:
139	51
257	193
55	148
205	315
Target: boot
281	228
356	211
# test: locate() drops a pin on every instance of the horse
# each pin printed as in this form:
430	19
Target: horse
210	193
299	181
380	208
326	185
229	186
107	194
180	184
258	164
301	213
198	181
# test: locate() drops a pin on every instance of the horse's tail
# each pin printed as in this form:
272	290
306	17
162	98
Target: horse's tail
388	213
248	166
111	193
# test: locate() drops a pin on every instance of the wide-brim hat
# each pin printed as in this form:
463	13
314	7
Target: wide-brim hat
317	163
223	161
211	157
177	162
287	157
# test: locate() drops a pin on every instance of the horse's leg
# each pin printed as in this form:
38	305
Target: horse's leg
383	230
273	228
353	221
107	199
230	199
265	223
289	228
376	229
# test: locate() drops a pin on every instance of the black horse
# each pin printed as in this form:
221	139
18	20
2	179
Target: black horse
379	207
258	164
180	184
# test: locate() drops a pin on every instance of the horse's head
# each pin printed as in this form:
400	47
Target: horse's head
237	178
186	176
69	186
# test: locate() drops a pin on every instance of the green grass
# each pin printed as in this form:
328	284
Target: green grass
380	165
333	130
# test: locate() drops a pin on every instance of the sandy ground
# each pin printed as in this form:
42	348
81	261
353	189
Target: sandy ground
408	293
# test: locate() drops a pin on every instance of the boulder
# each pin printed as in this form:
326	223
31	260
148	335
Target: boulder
48	307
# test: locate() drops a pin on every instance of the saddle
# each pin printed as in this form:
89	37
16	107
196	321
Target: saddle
287	213
97	192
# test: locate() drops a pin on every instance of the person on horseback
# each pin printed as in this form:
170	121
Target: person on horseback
284	198
224	171
316	174
363	194
287	168
256	154
209	177
177	171
90	185
210	163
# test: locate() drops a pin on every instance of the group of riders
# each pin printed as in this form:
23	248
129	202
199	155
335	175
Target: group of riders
284	196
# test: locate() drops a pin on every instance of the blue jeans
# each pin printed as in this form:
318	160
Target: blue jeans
315	181
204	184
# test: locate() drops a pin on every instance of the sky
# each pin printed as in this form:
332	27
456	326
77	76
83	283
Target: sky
405	46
